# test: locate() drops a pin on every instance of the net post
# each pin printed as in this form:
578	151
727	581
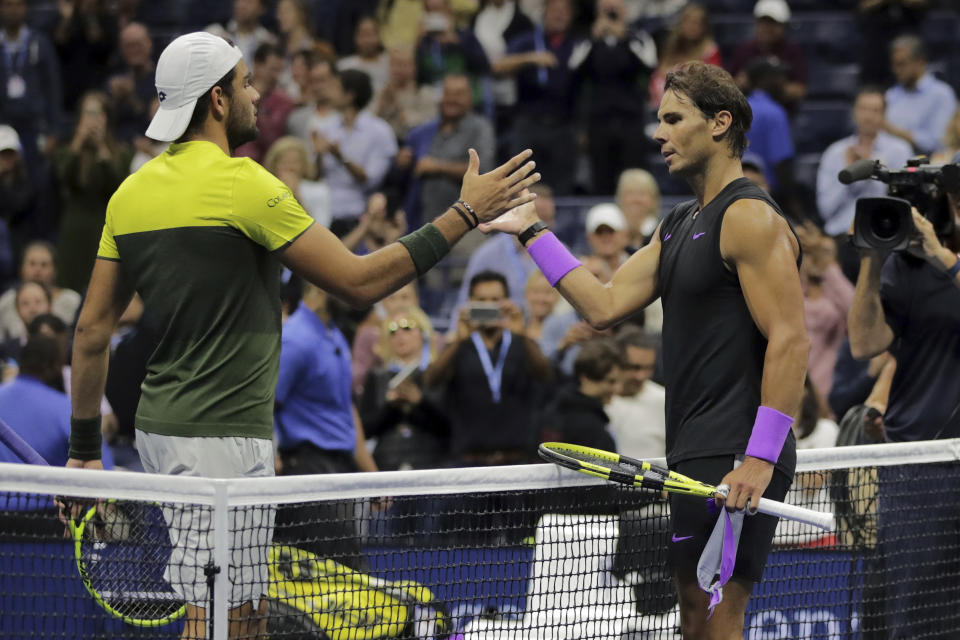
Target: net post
221	558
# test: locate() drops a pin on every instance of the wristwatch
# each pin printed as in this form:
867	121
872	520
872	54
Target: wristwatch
527	234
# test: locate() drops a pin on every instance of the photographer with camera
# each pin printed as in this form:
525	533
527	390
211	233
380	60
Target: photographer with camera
489	372
908	303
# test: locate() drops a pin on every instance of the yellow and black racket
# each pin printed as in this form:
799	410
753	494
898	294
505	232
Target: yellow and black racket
121	549
639	473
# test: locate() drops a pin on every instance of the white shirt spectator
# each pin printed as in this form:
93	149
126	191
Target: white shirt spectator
638	423
371	144
378	70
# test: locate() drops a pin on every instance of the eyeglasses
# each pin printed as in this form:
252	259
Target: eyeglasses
402	323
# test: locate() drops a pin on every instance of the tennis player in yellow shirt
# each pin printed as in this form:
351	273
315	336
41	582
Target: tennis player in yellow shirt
201	237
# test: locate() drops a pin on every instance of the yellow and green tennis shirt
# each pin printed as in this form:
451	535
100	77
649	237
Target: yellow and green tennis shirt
197	232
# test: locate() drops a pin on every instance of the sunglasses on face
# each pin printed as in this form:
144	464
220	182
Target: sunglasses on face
402	323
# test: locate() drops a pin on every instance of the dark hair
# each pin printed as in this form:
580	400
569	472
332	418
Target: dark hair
23	285
266	50
809	410
870	90
358	83
912	43
41	358
712	90
202	108
637	338
313	58
596	359
489	276
48	320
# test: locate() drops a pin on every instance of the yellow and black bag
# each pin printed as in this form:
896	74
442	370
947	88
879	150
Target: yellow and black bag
314	597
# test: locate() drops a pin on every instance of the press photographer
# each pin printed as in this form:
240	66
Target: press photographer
907	302
907	297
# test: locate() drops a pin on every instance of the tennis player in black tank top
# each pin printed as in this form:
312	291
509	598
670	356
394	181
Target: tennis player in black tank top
735	347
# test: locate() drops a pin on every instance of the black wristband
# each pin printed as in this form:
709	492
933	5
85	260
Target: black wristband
955	269
463	215
426	246
528	233
86	440
473	214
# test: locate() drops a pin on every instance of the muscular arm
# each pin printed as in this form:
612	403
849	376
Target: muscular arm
869	332
321	258
759	245
633	287
106	300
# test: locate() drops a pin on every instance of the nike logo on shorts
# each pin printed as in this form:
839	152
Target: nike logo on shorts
697	235
677	538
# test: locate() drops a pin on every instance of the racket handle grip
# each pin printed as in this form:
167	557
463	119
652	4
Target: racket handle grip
821	519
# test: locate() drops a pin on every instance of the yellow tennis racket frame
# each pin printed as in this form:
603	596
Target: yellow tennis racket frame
77	529
671	481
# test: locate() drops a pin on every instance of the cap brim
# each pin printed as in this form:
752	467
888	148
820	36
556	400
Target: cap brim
169	124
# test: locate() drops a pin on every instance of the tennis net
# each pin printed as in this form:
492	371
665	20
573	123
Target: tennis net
488	554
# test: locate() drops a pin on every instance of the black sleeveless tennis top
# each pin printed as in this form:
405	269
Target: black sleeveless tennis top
712	350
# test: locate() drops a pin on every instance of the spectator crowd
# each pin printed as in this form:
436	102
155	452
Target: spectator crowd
366	113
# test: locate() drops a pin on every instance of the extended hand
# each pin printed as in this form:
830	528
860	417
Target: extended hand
929	242
490	194
746	482
513	221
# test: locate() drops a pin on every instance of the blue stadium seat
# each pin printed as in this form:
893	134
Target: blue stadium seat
805	169
829	35
829	80
819	123
730	30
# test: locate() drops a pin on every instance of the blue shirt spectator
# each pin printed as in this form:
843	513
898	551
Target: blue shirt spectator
356	149
769	135
314	404
837	202
41	416
923	110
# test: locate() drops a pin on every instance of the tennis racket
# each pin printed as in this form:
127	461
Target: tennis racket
121	549
638	473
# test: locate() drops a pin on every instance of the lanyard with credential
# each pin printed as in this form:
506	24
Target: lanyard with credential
540	44
16	63
494	373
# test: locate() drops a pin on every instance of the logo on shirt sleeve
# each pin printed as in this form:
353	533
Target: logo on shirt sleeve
274	201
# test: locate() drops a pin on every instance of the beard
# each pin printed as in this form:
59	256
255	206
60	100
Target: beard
241	126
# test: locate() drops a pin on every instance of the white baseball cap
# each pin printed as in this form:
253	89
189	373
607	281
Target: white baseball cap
187	69
605	214
776	10
9	138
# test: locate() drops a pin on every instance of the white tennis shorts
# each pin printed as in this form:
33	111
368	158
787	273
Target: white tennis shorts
191	526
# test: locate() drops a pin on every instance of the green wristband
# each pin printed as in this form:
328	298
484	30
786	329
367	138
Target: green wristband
426	246
86	439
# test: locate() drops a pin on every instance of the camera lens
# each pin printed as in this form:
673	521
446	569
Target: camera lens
885	225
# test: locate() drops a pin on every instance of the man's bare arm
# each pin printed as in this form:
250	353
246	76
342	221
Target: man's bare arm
870	335
321	258
758	243
633	287
107	298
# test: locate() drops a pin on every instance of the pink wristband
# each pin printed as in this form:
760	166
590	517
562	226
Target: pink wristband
554	259
770	431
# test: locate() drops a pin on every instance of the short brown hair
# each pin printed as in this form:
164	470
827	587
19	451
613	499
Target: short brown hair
712	90
596	359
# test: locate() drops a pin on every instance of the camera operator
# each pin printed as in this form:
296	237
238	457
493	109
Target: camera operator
910	306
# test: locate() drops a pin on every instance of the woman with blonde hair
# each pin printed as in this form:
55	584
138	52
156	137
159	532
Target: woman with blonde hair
411	428
638	197
689	39
289	160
